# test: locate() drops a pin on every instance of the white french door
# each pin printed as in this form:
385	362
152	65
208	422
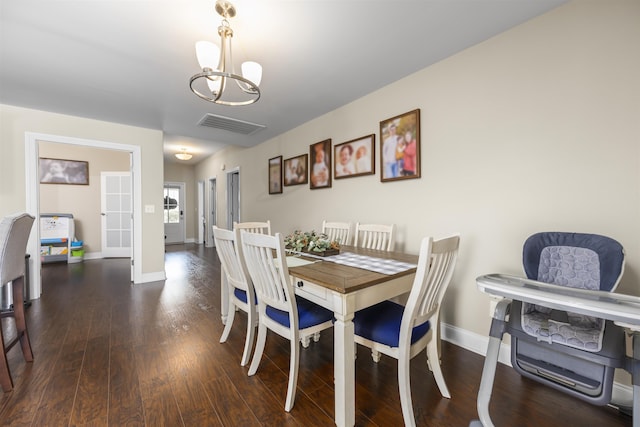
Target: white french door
116	211
174	229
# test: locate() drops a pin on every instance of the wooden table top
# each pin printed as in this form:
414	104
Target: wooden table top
345	279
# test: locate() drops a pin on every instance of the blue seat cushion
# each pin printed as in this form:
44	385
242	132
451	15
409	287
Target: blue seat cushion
381	323
309	314
242	295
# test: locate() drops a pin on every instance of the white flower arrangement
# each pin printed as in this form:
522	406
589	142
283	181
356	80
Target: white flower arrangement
309	241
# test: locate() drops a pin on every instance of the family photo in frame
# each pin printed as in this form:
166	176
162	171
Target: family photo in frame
275	175
295	170
355	157
400	147
320	169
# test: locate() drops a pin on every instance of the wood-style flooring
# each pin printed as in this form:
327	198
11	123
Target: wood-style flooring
111	354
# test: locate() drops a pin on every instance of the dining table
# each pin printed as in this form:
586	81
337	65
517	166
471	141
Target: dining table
354	279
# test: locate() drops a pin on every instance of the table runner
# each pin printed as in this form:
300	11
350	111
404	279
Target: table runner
379	265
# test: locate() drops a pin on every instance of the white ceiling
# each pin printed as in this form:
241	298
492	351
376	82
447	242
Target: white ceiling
129	61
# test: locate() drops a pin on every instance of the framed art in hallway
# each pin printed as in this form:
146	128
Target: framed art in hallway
275	175
400	147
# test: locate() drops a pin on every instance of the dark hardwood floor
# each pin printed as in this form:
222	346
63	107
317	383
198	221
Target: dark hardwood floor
108	353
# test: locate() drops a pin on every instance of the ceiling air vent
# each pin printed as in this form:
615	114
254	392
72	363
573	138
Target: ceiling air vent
229	124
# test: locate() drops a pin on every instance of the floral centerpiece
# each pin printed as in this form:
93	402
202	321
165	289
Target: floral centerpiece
311	242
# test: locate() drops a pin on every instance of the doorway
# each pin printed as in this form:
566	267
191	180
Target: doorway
32	187
213	219
233	198
174	201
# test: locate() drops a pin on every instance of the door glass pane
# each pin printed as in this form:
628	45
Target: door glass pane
171	205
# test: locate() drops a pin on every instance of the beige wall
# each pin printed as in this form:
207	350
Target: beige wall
15	122
83	201
176	172
535	129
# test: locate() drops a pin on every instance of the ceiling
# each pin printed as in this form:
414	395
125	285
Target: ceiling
129	61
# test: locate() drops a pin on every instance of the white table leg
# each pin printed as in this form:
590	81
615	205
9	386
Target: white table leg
344	371
224	297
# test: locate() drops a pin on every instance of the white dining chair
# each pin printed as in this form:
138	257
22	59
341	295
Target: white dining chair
254	227
340	231
241	293
279	309
14	234
403	332
375	236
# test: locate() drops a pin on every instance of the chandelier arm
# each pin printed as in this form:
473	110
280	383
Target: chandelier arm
216	99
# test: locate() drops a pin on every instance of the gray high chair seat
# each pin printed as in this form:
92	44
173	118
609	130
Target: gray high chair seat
571	352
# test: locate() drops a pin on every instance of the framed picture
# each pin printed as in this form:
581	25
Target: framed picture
295	170
320	153
355	157
58	171
275	175
400	147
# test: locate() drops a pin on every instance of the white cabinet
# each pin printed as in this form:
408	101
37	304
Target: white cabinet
56	233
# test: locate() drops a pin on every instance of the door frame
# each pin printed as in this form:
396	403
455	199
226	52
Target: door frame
32	187
212	215
201	218
230	196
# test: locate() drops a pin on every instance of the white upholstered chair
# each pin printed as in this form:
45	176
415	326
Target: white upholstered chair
403	332
14	234
241	292
340	231
254	227
279	310
375	236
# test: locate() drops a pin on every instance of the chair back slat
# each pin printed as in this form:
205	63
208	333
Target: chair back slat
435	268
265	261
375	236
14	234
227	250
254	227
340	231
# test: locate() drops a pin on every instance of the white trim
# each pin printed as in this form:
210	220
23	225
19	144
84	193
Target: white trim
33	197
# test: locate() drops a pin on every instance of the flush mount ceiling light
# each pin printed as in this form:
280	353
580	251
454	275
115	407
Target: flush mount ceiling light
223	86
183	155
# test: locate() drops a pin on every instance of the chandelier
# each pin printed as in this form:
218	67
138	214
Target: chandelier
223	85
183	155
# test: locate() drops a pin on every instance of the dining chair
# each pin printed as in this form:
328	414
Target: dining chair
279	309
375	236
254	227
14	234
403	332
241	292
340	231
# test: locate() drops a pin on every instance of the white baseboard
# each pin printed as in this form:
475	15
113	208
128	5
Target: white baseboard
622	394
156	276
93	255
